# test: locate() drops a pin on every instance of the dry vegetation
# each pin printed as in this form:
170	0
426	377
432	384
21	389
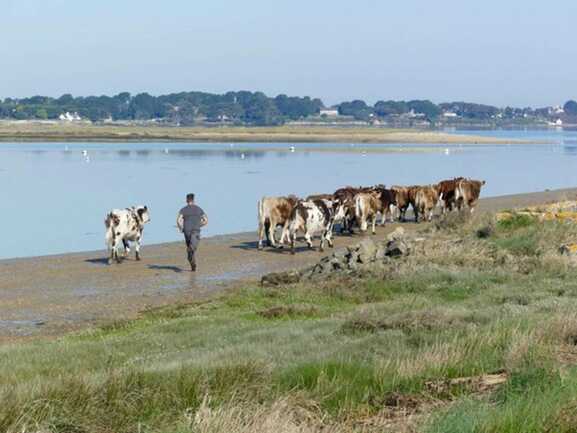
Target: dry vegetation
13	131
475	331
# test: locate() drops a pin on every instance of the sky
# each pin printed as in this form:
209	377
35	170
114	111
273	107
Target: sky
500	52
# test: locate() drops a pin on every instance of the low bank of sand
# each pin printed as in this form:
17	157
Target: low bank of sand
11	131
47	296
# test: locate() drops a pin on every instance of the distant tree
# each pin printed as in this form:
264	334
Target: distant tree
41	113
430	110
357	108
388	108
570	107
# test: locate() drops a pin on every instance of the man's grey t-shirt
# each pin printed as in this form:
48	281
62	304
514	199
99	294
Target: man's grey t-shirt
192	216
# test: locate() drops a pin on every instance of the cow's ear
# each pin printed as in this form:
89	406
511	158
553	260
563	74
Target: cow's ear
483	183
145	207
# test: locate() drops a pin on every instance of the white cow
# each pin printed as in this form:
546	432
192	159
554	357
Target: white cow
124	226
313	217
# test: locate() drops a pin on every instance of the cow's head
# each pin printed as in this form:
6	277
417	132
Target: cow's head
143	214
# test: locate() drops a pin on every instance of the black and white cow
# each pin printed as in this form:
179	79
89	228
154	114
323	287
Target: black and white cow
313	217
124	226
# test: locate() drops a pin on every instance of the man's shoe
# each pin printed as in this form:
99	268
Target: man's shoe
193	267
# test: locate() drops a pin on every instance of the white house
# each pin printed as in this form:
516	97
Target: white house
70	117
450	114
329	112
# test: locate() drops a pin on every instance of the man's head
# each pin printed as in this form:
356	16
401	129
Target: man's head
190	198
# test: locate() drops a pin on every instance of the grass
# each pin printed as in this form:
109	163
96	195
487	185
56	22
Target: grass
343	355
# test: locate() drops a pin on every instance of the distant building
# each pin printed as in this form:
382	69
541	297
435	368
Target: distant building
450	114
70	117
329	112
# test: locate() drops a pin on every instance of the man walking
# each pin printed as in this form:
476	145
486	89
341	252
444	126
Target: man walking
190	220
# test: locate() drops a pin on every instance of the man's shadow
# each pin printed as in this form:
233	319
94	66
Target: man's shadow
165	268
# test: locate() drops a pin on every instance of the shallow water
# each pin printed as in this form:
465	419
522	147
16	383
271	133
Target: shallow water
55	195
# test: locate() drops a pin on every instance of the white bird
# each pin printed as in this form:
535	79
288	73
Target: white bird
447	151
242	156
85	152
292	149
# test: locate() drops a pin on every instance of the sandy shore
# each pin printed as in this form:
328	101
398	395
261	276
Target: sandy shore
286	134
48	296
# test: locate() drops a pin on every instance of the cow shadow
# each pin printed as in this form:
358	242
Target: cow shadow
165	268
98	261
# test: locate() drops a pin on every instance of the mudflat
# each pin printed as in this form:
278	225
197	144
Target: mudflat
15	131
52	295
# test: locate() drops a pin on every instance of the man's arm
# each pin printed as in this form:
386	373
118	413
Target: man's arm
180	221
203	219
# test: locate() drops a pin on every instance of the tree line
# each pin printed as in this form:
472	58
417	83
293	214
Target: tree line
243	108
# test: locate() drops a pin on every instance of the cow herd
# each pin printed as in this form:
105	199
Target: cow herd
350	206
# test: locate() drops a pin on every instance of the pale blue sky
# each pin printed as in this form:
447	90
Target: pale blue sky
519	52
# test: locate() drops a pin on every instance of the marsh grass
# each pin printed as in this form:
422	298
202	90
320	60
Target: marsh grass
330	355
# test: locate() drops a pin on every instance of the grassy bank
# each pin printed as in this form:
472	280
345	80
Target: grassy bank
286	134
414	348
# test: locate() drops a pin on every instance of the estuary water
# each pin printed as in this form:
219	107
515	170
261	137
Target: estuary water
54	196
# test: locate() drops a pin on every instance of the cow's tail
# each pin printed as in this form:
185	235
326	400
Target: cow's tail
361	220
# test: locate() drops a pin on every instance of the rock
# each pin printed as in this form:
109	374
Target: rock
280	278
568	250
397	248
398	233
367	251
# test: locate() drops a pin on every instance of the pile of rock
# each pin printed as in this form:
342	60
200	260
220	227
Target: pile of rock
366	256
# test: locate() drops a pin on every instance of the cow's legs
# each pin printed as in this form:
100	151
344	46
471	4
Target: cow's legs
137	247
126	245
293	238
374	231
271	229
261	234
308	239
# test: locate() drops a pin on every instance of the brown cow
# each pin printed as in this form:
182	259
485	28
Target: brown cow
274	212
426	199
404	196
388	200
447	189
468	192
367	206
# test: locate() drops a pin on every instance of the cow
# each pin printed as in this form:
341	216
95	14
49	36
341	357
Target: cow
404	196
313	217
447	191
320	197
388	202
274	212
125	226
347	196
467	193
367	206
426	198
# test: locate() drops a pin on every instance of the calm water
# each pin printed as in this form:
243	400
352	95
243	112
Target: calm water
54	199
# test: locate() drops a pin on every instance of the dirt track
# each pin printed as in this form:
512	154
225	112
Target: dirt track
49	296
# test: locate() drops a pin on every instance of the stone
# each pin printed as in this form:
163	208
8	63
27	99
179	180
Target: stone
281	278
367	251
397	248
398	233
568	250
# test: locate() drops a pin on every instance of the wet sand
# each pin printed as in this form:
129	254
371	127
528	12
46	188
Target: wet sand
46	132
52	295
